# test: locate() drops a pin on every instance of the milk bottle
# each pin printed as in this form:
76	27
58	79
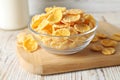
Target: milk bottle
13	14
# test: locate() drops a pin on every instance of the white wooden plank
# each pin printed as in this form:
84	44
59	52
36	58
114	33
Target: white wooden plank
100	74
7	68
79	75
110	74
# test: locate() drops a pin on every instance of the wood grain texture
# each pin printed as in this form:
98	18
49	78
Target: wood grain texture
41	62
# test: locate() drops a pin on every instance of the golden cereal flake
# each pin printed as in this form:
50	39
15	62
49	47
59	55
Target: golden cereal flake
108	43
46	41
96	47
62	32
59	45
48	29
30	45
21	37
101	35
114	37
108	51
117	34
93	22
42	25
91	25
95	39
61	26
73	38
64	45
36	20
27	42
89	19
73	31
70	18
82	28
73	44
55	17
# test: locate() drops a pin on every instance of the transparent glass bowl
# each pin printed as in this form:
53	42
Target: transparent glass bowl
64	44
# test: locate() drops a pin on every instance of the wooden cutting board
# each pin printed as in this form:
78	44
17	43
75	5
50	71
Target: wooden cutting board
41	62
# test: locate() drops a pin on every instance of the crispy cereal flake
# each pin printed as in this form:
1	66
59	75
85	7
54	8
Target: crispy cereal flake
101	35
82	28
62	32
114	37
70	18
96	47
30	45
108	51
55	17
108	43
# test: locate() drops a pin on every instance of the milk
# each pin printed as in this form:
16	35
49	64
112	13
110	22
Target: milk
13	14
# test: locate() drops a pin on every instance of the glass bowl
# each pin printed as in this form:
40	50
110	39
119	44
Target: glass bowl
64	44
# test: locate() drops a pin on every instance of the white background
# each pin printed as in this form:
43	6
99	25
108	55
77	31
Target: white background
37	6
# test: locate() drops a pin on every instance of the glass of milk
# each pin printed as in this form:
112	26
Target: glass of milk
14	14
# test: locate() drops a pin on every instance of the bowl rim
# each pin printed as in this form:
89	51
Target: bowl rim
38	33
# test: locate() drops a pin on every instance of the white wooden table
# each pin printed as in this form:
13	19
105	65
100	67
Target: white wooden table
9	64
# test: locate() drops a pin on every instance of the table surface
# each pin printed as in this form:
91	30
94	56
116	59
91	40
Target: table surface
11	70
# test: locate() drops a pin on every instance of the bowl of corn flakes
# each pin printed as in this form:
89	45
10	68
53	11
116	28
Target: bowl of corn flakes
63	31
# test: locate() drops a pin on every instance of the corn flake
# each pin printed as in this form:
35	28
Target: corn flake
89	19
58	26
73	44
27	42
96	47
91	25
48	29
59	45
101	35
36	20
62	32
30	45
70	18
108	43
82	28
115	37
64	45
73	31
117	34
55	17
108	51
95	39
42	25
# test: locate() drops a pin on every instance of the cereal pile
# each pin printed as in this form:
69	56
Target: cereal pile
27	42
58	21
104	44
63	24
